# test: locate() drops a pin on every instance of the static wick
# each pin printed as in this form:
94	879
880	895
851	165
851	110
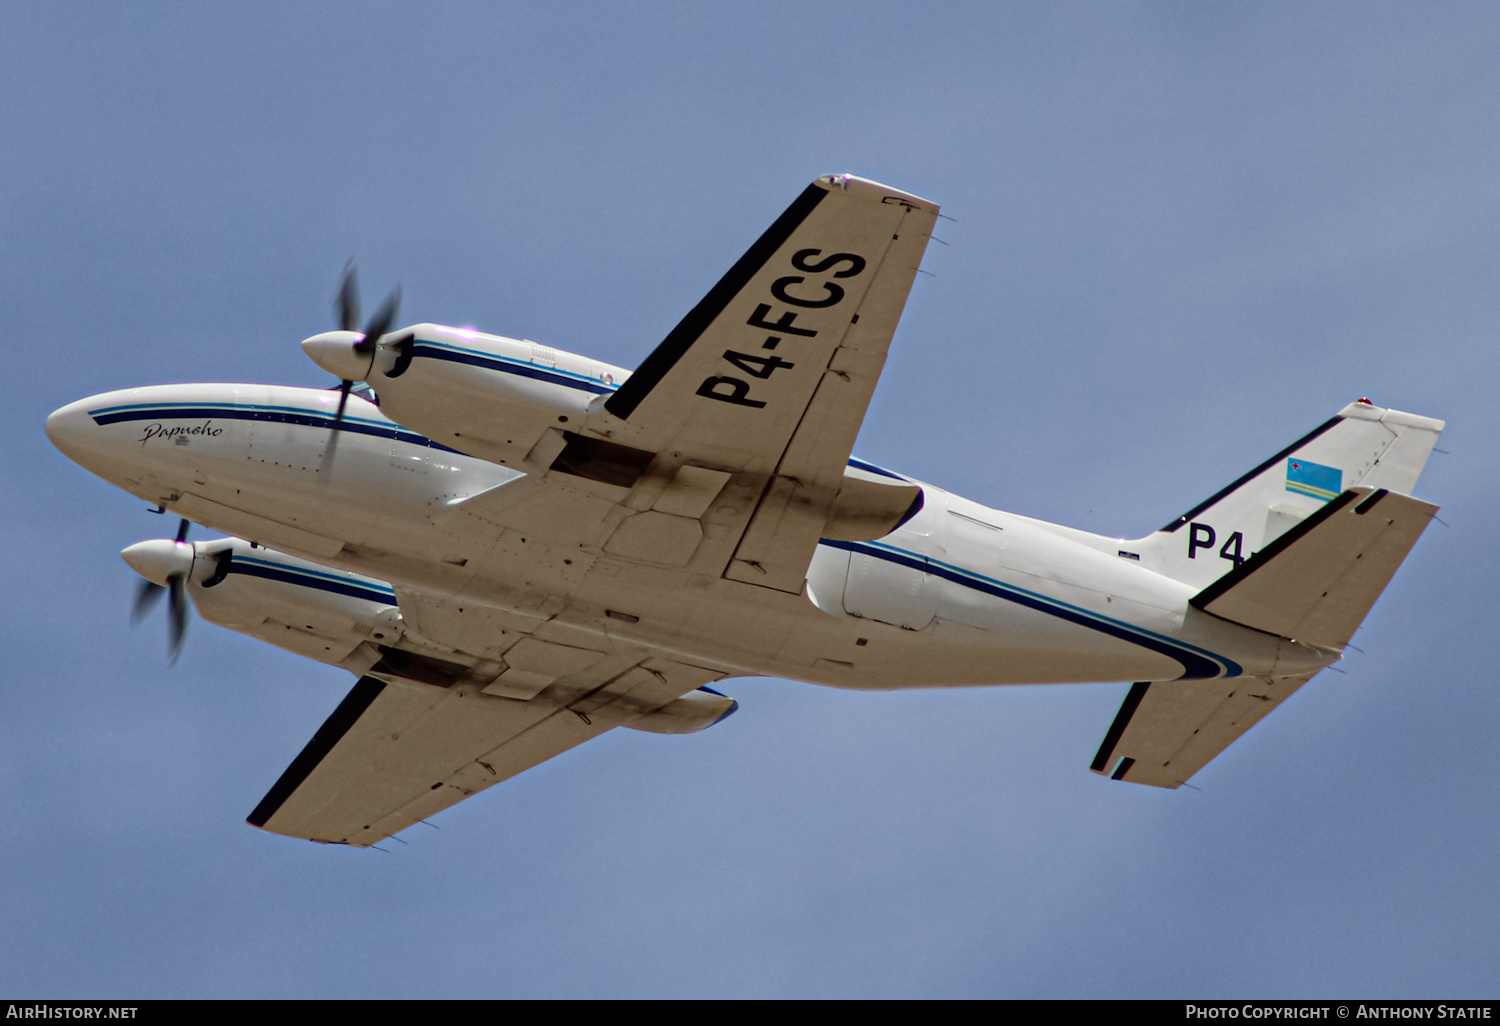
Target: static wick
1443	522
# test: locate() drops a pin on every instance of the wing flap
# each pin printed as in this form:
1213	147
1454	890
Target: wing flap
784	530
1167	731
1317	581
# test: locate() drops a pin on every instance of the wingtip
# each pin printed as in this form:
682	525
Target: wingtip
874	190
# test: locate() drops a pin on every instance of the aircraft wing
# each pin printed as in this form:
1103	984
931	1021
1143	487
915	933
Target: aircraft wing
1166	731
756	397
396	750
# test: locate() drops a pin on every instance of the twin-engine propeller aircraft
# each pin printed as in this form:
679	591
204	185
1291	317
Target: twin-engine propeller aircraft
516	549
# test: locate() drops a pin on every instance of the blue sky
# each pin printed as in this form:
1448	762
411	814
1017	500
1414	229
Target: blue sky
1185	234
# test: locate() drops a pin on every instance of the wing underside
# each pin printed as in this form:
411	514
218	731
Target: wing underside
397	751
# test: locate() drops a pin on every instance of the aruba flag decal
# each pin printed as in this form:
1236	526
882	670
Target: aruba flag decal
1313	479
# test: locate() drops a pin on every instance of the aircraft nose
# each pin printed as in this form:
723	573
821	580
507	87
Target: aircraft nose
71	429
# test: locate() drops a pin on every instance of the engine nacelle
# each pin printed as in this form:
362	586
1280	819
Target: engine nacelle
486	395
328	615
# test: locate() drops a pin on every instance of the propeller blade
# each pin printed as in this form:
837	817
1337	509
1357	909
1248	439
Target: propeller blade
380	323
333	433
147	595
177	623
338	418
346	301
182	529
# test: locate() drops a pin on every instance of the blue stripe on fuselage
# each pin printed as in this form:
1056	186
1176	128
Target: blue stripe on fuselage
1197	663
267	414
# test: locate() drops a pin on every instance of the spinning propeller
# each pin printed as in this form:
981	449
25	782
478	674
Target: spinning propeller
165	565
346	306
347	353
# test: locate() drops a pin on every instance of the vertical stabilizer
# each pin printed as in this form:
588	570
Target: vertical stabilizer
1363	446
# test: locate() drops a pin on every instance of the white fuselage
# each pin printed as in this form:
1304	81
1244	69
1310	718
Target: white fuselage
961	594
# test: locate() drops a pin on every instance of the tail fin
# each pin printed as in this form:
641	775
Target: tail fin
1364	446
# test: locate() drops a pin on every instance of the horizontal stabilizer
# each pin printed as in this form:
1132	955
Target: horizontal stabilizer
1317	581
1168	730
